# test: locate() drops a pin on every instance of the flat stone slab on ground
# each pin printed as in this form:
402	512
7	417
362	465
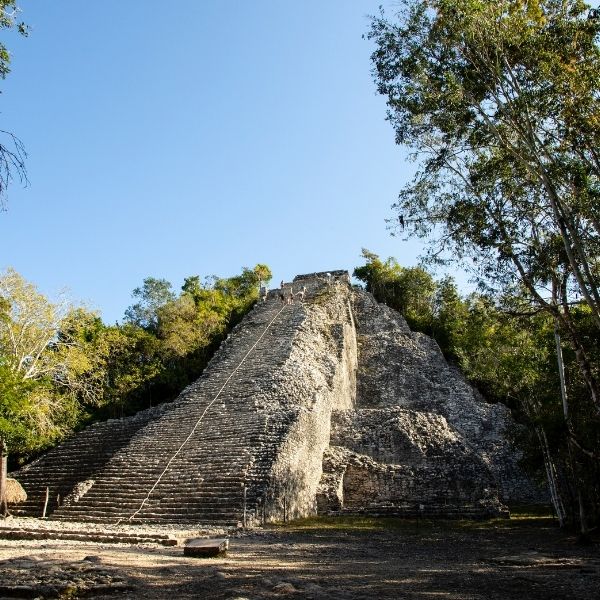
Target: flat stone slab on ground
201	547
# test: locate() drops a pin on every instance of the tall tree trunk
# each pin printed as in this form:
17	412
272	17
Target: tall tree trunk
557	502
583	528
3	472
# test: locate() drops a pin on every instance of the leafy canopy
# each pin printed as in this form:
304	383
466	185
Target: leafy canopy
500	103
61	366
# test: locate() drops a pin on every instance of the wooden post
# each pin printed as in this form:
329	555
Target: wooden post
244	517
46	502
3	471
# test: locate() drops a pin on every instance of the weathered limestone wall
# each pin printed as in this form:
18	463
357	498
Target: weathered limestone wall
321	371
416	376
398	458
421	437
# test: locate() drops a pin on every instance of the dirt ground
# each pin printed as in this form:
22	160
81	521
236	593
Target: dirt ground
528	560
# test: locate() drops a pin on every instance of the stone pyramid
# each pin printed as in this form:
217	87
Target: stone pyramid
330	404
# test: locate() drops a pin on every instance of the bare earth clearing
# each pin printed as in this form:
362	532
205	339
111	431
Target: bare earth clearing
526	559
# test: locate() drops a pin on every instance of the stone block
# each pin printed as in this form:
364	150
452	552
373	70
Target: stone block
203	548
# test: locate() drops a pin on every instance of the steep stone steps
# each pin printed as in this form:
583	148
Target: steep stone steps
75	460
236	441
208	481
198	520
89	536
230	449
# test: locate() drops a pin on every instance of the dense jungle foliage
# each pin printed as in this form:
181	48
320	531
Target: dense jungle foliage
509	351
499	103
61	367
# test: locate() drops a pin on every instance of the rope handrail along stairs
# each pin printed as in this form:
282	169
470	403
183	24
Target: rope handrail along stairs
197	424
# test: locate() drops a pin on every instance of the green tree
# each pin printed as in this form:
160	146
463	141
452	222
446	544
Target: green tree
409	290
129	362
500	103
191	285
44	370
153	295
451	313
263	274
29	326
16	407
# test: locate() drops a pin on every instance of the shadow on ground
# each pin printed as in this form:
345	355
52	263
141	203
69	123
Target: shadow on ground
529	559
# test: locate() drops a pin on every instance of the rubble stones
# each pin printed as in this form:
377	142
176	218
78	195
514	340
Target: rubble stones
78	491
30	577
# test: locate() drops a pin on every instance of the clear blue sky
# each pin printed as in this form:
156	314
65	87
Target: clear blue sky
195	137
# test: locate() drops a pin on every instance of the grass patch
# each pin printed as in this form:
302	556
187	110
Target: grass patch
531	511
520	515
340	523
358	523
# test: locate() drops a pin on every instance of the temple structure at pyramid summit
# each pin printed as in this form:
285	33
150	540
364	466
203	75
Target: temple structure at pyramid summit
328	405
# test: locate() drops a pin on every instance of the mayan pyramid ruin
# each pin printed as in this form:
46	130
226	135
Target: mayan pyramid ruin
331	405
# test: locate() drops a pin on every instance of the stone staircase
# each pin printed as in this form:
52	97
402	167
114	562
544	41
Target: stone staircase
75	460
206	480
206	457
